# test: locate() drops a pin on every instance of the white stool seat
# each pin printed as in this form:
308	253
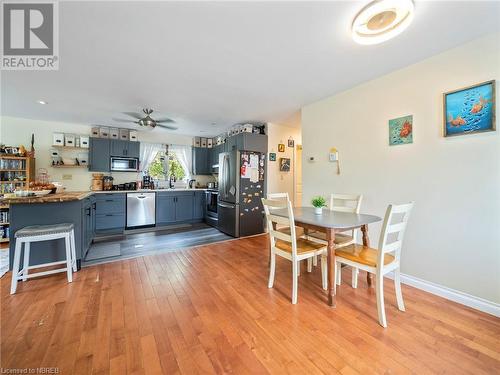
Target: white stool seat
44	230
37	233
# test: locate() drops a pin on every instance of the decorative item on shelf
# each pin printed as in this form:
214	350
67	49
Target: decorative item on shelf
31	153
272	156
94	132
284	164
22	151
197	142
291	142
469	110
401	130
114	133
133	136
318	203
103	132
124	134
69	140
203	142
248	128
83	158
281	147
77	142
58	139
84	141
209	142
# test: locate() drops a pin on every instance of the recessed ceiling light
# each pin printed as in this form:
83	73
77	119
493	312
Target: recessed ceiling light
382	20
41	102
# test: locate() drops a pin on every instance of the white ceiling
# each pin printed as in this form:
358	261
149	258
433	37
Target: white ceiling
206	62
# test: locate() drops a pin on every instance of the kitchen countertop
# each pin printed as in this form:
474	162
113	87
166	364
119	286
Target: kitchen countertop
79	195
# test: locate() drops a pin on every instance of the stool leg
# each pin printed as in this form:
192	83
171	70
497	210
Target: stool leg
15	267
73	250
26	262
68	258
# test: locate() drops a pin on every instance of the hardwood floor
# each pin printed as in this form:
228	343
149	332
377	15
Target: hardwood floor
208	310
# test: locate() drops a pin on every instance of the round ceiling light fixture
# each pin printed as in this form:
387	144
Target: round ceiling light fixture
43	102
382	20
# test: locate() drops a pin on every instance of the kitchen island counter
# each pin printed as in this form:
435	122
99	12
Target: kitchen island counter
50	198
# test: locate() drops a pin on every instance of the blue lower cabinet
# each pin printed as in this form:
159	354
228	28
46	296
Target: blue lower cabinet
165	209
110	212
184	206
199	205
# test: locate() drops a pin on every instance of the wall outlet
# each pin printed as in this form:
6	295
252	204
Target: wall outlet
67	176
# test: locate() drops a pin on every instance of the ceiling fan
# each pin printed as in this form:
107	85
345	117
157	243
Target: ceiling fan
147	121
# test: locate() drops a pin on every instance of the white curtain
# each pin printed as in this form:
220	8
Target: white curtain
148	153
184	156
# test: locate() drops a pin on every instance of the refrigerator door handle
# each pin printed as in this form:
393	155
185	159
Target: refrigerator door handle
226	205
227	175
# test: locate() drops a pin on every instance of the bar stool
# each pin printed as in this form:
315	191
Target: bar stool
36	233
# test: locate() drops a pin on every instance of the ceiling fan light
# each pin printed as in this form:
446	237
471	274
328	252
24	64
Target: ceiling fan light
382	20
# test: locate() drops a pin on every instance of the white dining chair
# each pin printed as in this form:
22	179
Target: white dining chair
289	246
383	260
342	203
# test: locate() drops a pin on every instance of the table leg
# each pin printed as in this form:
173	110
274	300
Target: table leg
330	237
366	242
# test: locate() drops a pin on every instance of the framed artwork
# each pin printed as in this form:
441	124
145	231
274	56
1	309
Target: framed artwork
284	164
401	130
272	156
281	147
469	110
291	143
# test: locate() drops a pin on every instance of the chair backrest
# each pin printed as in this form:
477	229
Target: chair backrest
346	202
278	196
393	230
273	220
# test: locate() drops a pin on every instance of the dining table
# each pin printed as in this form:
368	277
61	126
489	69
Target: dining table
331	222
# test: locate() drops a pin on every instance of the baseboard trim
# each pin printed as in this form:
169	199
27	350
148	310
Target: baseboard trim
477	303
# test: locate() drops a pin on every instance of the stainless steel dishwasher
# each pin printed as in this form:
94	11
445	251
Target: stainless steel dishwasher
141	209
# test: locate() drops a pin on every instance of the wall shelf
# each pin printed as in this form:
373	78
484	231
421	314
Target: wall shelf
68	166
71	148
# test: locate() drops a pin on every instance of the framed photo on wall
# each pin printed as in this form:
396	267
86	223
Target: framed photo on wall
284	164
291	143
469	110
272	156
281	147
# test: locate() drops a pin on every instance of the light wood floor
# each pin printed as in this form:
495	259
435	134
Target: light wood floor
208	310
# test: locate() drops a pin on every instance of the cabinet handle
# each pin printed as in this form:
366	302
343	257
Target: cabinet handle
109	200
109	214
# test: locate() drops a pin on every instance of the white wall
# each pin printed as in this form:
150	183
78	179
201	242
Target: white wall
17	131
281	182
453	238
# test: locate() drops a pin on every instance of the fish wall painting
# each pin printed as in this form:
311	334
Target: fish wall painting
469	110
401	130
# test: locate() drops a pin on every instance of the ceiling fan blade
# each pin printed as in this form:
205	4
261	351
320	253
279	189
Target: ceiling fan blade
167	126
123	120
166	119
136	115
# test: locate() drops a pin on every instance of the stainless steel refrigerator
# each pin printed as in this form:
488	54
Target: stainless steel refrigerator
242	183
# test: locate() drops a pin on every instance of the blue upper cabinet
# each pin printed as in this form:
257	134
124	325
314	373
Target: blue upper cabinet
125	148
99	153
201	161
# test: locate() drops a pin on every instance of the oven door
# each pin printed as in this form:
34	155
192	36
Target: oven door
120	164
211	201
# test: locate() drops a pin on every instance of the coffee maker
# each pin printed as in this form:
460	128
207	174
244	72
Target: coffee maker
147	182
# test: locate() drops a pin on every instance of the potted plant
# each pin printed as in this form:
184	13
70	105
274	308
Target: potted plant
318	204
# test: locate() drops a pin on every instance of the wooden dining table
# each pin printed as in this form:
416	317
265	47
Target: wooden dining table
331	222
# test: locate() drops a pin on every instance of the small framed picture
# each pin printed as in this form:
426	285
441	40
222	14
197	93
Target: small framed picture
291	143
272	156
284	164
469	110
281	147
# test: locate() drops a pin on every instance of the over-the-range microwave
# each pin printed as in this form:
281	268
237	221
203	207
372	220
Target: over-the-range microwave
122	164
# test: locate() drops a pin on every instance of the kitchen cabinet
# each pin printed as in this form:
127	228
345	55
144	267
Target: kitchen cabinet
200	161
231	144
99	152
88	224
110	213
125	148
251	142
199	205
165	209
179	206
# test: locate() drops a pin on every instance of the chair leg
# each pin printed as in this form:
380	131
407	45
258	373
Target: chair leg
338	273
73	250
272	269
315	261
26	262
355	272
298	268
397	287
69	267
324	272
309	265
15	266
295	281
379	290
